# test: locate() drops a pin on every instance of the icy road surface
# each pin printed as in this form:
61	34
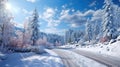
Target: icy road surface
103	59
72	59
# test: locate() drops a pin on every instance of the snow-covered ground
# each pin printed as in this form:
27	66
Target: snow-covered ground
80	60
49	59
2	56
110	49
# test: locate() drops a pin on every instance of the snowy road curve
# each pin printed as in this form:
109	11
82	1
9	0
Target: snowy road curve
68	61
106	60
71	61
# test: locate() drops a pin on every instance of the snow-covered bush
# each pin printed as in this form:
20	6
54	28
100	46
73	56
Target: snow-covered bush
112	41
22	50
37	49
13	42
16	43
6	26
118	38
103	39
45	43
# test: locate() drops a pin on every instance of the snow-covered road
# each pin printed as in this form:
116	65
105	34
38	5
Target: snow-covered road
66	58
104	59
73	59
59	57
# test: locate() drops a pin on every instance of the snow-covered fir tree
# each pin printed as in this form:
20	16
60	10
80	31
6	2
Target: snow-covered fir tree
69	36
34	27
66	37
73	36
52	38
96	29
6	26
88	31
77	35
117	20
116	16
109	29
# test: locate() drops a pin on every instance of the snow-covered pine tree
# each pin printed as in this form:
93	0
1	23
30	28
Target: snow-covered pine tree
117	20
76	36
69	36
109	29
72	37
88	30
34	27
6	27
117	16
66	37
96	29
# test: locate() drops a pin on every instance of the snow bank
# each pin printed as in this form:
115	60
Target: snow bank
110	49
32	60
115	48
67	46
56	58
2	56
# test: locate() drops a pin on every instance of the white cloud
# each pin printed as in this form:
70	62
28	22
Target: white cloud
49	16
26	11
74	25
97	15
65	12
49	12
32	1
54	30
89	12
93	4
70	16
64	6
20	25
76	18
73	10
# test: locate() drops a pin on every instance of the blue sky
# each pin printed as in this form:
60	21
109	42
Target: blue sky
56	16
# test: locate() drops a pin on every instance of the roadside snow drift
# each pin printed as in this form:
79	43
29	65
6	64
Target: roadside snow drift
31	59
110	49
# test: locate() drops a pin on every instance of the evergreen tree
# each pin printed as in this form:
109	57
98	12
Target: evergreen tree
88	30
109	29
96	29
34	27
116	16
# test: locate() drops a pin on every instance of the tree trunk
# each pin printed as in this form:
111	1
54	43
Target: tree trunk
34	42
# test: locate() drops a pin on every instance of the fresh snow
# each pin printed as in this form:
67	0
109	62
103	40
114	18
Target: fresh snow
2	56
82	61
31	59
109	49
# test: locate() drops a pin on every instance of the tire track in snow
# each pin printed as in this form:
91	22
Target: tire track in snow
106	60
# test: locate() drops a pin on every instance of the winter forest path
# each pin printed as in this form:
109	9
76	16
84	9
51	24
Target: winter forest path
102	59
66	59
